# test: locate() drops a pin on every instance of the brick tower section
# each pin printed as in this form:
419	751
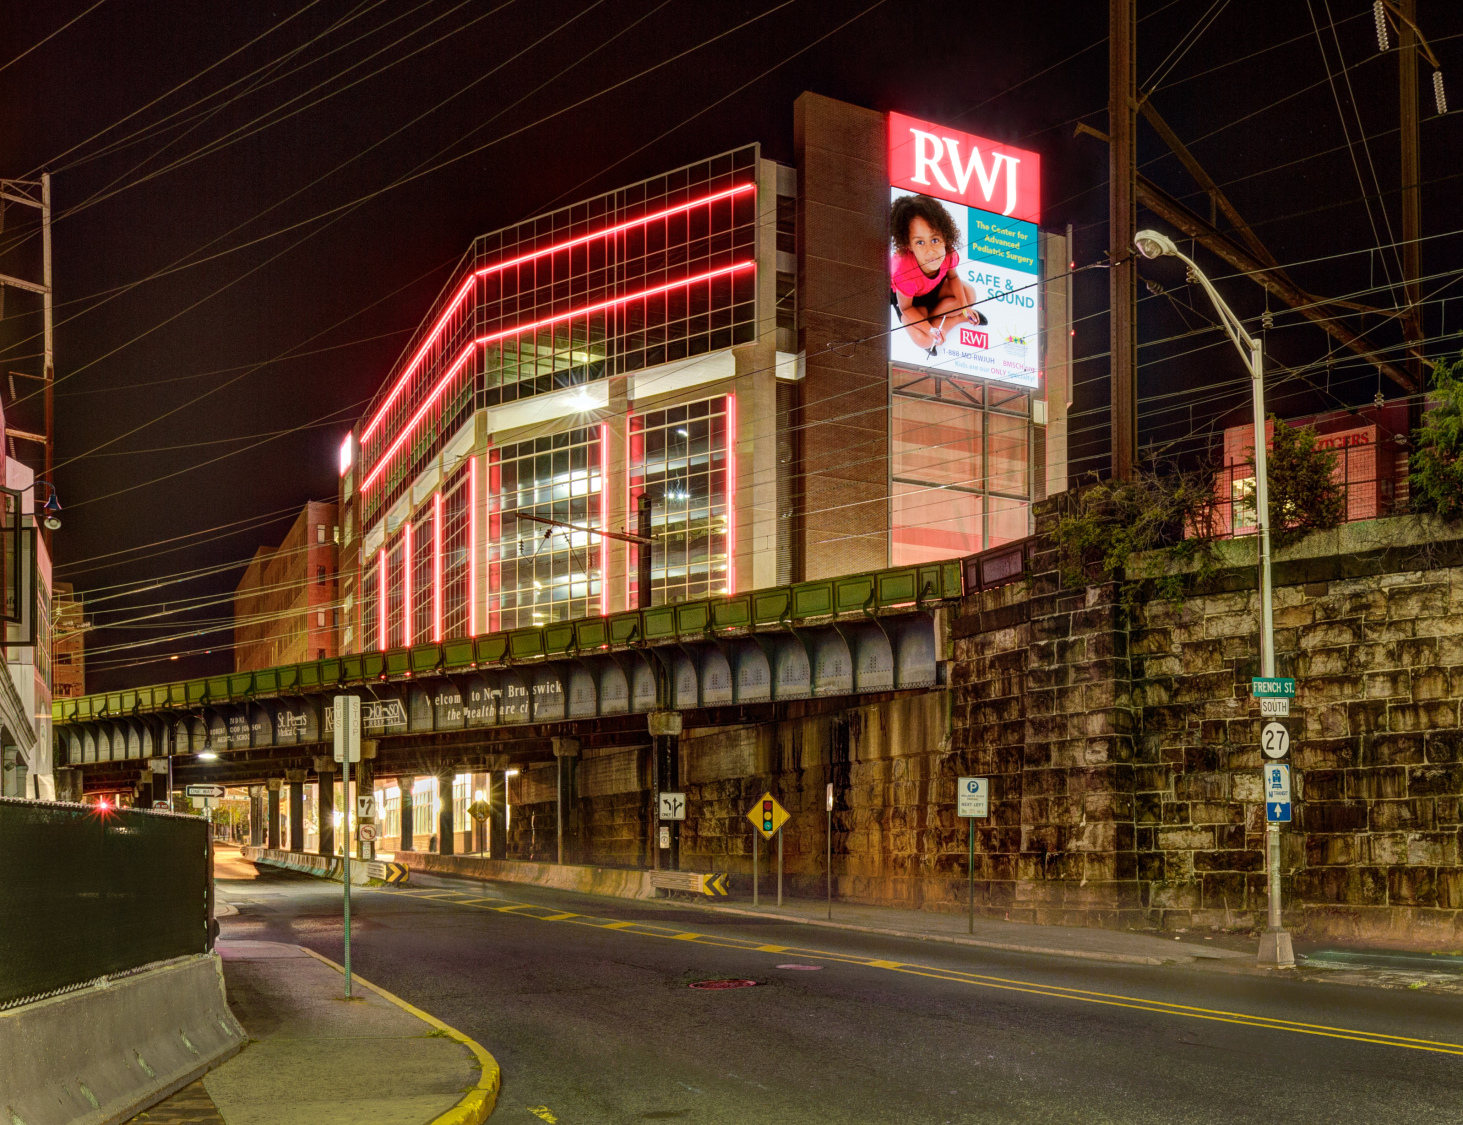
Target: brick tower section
843	318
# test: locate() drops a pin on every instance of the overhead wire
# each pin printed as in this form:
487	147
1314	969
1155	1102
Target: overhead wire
42	42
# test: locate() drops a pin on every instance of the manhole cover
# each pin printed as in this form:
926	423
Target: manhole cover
724	984
805	968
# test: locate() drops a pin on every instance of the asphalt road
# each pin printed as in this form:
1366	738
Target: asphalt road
586	1004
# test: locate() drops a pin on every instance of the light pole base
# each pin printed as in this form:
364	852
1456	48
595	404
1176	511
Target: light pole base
1275	950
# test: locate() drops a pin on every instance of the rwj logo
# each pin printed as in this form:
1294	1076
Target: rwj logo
974	338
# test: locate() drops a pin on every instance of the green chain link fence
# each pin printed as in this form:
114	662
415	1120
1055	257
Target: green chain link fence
87	893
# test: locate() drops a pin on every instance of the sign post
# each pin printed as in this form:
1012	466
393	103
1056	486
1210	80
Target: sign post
767	817
829	803
972	801
348	751
1274	693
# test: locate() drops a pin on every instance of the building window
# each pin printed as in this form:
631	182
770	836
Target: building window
320	576
678	457
422	584
960	467
371	606
319	654
541	572
396	593
320	533
320	618
456	544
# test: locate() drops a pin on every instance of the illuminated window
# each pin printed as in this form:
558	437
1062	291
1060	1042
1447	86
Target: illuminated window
395	590
541	572
421	575
960	467
371	607
678	457
456	546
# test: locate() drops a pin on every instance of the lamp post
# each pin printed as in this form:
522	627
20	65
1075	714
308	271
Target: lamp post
1275	947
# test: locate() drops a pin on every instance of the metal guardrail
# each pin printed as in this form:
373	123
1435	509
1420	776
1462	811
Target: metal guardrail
89	893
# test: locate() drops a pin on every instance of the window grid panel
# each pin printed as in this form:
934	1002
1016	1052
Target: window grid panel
455	550
960	480
540	572
679	457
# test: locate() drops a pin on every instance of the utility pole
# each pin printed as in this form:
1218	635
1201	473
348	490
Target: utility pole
1411	175
37	194
1122	224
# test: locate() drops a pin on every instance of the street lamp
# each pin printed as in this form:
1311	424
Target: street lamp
1275	947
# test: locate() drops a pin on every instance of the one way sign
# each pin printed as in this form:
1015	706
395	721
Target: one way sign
1277	791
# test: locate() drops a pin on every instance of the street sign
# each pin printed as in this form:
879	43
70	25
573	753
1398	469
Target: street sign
973	796
1274	706
1277	791
830	796
665	836
479	810
214	791
347	715
1274	685
1275	740
160	805
368	832
767	816
672	806
365	805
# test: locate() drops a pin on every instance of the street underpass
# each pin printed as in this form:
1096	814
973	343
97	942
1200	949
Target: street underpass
512	701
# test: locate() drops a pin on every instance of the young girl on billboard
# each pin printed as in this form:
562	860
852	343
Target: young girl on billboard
926	291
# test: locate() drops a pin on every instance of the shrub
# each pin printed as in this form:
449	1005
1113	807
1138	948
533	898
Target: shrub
1437	461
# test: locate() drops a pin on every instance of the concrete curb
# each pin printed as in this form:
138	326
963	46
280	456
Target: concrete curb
477	1105
954	939
99	1055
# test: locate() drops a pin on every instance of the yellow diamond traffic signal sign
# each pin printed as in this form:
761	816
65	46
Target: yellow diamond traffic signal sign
767	816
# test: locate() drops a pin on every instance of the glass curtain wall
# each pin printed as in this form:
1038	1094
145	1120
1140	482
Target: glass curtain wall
960	471
540	572
423	587
678	457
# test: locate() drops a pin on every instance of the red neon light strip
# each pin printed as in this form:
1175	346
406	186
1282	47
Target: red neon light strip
462	357
472	544
731	494
604	519
523	329
466	288
381	595
406	566
437	568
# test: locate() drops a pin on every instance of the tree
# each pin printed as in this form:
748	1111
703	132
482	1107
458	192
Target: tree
1437	462
1304	497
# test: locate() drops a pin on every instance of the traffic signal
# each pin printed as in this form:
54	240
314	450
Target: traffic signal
766	816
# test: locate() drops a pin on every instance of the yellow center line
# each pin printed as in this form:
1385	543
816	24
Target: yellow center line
1004	984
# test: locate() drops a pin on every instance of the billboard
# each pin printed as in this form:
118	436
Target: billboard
963	293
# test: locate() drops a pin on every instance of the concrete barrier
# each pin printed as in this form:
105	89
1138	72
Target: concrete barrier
617	882
101	1054
325	866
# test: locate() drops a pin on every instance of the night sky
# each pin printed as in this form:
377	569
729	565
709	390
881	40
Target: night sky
256	204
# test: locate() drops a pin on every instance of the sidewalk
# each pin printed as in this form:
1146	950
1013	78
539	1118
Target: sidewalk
315	1058
992	933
